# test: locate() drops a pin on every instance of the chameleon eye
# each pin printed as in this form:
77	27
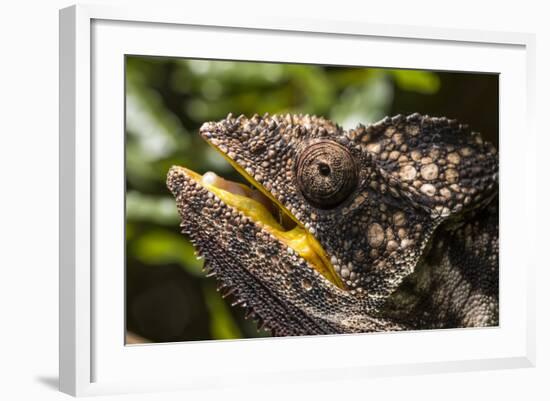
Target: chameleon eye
326	174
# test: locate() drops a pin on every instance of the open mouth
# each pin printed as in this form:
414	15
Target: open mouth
262	208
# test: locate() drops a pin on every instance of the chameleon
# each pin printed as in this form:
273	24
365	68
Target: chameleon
389	226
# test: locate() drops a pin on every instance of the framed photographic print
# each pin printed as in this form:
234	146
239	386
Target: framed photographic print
311	186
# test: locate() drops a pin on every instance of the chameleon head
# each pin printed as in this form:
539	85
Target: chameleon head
337	218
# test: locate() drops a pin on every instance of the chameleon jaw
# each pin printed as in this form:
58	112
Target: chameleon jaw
295	237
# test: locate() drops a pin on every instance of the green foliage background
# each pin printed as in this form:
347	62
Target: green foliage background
168	298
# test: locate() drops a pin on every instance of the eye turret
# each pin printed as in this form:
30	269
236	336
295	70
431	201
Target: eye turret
326	174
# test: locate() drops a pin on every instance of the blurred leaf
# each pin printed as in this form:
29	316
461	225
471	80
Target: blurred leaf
315	88
156	130
223	325
130	231
417	81
345	77
139	174
160	247
363	104
155	209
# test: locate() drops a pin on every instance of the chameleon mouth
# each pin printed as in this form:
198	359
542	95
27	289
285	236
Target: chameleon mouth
263	209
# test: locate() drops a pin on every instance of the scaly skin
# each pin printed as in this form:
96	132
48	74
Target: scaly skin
406	210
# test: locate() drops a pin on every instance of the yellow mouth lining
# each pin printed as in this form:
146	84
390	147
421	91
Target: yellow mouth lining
297	238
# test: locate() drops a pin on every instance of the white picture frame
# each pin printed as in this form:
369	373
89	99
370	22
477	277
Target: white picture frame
93	357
